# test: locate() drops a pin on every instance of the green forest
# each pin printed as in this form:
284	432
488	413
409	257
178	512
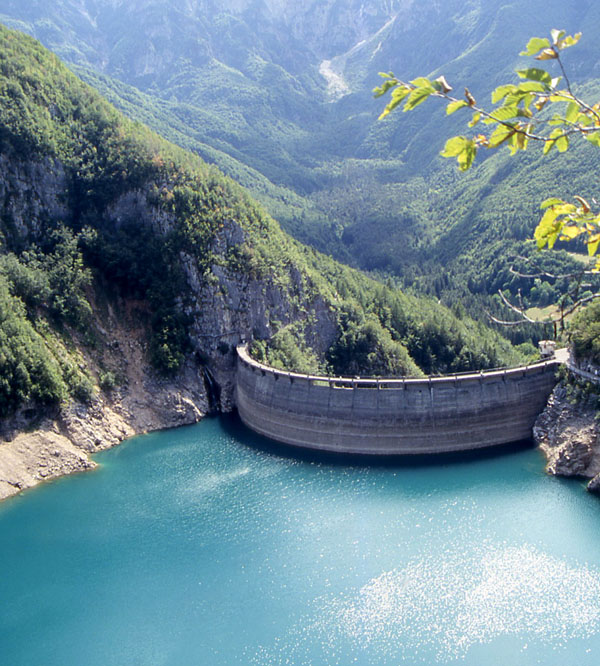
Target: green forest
53	264
375	195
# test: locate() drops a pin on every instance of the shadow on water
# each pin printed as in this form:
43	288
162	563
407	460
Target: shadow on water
233	426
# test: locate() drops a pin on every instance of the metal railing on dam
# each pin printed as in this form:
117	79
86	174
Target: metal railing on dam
435	414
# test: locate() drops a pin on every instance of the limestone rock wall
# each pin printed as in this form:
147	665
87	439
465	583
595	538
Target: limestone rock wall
569	436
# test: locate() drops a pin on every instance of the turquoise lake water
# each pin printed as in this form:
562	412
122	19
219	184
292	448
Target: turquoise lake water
202	546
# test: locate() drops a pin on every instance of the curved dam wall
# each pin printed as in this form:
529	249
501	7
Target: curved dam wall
393	416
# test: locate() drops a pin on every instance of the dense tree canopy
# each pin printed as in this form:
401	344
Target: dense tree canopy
538	108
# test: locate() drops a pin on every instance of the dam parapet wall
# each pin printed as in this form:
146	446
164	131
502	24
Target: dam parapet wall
393	416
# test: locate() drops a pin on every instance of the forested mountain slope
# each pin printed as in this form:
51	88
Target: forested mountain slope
278	95
98	209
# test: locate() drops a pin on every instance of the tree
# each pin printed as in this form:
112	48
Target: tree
539	108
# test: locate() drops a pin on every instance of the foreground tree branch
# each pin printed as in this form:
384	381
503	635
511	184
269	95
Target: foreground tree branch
535	109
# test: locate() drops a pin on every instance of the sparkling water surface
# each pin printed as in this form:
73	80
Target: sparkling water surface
202	545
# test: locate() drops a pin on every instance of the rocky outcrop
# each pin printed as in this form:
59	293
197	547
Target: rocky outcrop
569	435
37	447
34	457
225	307
32	193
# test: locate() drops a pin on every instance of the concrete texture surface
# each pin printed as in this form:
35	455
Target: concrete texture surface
393	416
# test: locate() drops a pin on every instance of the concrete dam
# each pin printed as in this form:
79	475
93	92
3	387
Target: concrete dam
436	414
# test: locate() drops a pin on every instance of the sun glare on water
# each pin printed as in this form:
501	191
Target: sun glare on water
441	606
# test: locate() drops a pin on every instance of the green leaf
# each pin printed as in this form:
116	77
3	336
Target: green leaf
569	41
594	139
562	143
503	113
565	208
559	140
501	134
476	118
384	87
463	149
548	147
592	245
556	35
454	146
389	108
561	96
401	91
531	86
519	97
535	74
398	95
548	229
519	141
535	45
501	92
455	106
553	201
466	158
593	240
547	220
422	82
416	97
569	232
572	112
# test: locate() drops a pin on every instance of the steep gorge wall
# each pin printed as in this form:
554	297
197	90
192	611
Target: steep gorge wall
224	307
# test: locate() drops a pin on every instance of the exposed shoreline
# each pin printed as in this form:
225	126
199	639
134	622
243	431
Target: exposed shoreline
63	442
39	446
569	436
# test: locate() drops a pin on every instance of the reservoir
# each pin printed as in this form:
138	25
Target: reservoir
208	545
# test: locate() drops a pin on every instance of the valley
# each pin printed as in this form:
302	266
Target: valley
203	223
286	110
241	86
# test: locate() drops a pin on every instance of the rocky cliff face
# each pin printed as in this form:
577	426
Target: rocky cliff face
38	445
569	435
228	306
225	306
32	193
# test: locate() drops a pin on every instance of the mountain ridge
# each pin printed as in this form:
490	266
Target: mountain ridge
242	80
103	221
